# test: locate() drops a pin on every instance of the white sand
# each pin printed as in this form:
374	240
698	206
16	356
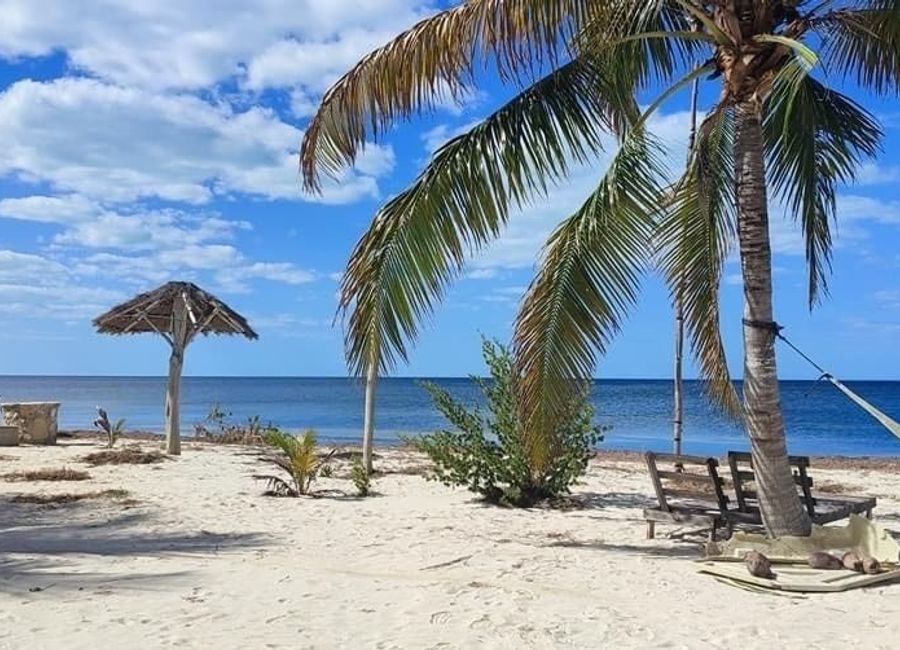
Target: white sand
204	561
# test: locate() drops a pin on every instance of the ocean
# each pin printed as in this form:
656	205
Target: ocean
820	420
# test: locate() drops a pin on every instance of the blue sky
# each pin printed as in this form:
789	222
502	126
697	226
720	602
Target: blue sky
144	142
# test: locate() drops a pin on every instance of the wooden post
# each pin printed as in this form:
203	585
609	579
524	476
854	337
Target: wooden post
173	389
369	416
678	396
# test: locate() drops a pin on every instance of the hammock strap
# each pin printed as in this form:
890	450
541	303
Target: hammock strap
891	425
887	422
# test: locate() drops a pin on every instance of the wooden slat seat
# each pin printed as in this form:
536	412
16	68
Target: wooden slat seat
822	508
689	491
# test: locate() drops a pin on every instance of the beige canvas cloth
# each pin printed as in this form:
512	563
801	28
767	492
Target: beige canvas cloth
789	556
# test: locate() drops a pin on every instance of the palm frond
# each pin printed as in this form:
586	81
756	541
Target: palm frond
672	90
277	486
589	276
695	238
815	139
420	240
643	42
864	41
435	57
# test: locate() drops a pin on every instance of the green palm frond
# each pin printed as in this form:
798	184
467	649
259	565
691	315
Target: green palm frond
815	138
589	277
863	41
420	240
435	58
695	238
643	42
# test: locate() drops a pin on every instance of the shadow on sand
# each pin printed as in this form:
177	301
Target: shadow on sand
37	542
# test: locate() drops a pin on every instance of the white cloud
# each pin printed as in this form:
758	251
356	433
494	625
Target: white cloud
505	295
176	44
116	144
888	298
482	274
70	208
302	105
23	267
221	264
312	65
868	327
235	279
37	287
853	208
872	173
438	136
137	246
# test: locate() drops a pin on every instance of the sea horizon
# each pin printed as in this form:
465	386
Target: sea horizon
636	412
844	379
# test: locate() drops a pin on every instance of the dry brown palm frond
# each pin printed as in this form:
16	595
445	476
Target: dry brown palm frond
435	58
126	456
56	499
50	474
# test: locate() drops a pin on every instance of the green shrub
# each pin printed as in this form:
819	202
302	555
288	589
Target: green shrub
361	478
219	429
297	457
489	454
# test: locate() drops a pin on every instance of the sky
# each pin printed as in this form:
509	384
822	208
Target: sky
147	142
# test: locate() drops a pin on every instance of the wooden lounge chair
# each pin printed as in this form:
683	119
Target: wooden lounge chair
822	508
690	491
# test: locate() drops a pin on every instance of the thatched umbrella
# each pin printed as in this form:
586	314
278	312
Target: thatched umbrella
177	311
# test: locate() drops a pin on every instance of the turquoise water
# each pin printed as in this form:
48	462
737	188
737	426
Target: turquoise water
820	420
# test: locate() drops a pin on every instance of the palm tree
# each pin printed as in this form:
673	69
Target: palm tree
579	66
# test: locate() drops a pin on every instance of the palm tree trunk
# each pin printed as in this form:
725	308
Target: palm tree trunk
782	511
369	416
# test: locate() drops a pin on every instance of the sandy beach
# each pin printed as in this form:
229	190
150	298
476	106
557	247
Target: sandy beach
194	556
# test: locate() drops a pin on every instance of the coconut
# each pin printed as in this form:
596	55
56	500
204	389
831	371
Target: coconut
822	560
758	565
851	561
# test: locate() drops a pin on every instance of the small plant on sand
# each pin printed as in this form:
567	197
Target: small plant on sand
489	455
297	457
113	430
362	480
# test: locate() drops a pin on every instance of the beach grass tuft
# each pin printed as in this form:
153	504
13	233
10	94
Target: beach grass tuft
125	456
47	474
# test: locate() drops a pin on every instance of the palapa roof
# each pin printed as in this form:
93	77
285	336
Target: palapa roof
153	311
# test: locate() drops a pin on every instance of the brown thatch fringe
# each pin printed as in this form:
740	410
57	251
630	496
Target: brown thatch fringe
152	312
